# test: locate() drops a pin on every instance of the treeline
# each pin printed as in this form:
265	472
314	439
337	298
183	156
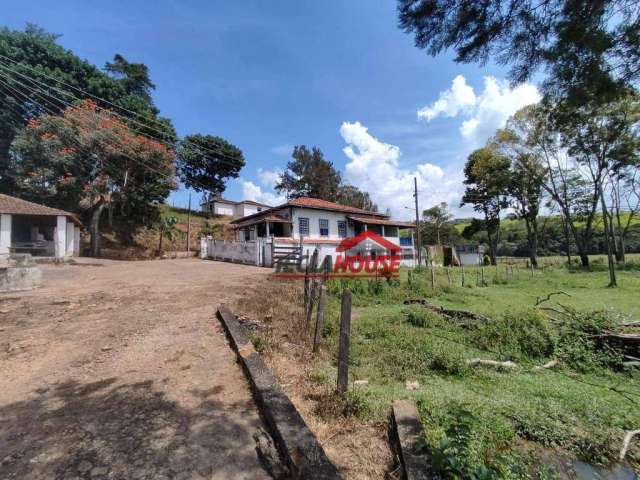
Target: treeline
89	139
577	152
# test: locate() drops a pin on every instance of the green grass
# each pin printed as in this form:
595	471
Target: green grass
587	290
581	407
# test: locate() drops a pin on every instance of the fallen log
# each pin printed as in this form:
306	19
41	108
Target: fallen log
492	363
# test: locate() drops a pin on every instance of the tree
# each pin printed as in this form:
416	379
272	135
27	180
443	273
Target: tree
487	179
526	182
310	175
531	133
86	159
625	204
167	229
435	218
604	138
354	197
590	49
205	162
48	77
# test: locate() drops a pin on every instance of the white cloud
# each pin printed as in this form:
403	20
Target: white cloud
484	113
283	150
375	167
251	191
269	178
459	98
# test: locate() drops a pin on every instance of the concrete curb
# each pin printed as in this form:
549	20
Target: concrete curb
406	430
296	443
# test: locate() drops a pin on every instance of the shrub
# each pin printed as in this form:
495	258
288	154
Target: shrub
517	335
421	317
581	346
448	359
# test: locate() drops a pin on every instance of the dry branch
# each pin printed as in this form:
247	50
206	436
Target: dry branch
447	312
625	444
540	300
493	363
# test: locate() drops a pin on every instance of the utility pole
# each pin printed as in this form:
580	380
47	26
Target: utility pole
418	239
189	225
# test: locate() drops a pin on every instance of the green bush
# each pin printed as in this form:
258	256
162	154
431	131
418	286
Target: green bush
421	317
517	335
448	358
581	346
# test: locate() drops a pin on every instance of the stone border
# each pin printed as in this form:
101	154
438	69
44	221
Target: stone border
406	429
296	443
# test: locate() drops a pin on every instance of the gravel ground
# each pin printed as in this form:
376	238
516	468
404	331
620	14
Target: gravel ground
120	370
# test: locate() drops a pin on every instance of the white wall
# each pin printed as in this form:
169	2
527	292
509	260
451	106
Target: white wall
5	233
59	239
243	210
70	239
221	208
76	241
314	225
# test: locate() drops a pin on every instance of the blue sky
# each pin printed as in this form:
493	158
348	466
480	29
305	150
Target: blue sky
269	75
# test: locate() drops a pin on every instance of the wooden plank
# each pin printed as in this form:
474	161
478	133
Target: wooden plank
343	350
319	318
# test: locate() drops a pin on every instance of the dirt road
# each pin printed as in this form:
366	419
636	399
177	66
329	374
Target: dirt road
119	370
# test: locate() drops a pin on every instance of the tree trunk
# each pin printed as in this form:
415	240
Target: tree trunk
584	259
94	228
532	239
567	240
607	236
160	243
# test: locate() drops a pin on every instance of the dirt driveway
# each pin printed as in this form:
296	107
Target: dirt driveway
119	370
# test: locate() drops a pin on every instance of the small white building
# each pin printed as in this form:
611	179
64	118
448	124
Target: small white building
315	223
222	206
27	227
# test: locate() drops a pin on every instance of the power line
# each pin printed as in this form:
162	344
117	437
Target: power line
48	110
200	148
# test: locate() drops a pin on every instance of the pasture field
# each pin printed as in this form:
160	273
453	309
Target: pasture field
500	421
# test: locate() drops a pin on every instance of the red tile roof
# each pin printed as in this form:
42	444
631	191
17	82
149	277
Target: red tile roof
382	221
273	218
16	206
309	202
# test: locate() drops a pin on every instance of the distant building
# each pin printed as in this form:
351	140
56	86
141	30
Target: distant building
222	206
469	254
41	231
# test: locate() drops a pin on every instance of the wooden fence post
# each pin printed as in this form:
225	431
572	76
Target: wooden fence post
482	275
462	267
477	276
531	270
343	349
449	275
319	318
310	280
433	278
409	280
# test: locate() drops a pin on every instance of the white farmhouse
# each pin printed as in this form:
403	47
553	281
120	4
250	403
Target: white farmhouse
41	231
315	223
222	206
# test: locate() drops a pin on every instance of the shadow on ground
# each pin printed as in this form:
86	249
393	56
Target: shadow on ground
109	430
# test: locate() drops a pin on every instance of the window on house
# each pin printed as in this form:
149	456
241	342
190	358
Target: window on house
324	227
390	231
342	228
247	235
303	226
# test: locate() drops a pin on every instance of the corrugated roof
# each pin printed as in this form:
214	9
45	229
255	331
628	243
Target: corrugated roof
16	206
